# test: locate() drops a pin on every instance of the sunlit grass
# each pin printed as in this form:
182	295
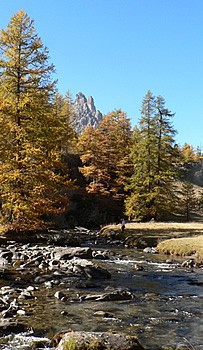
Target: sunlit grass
164	229
152	225
183	239
183	246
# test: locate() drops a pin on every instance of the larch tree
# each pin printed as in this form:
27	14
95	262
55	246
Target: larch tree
154	156
64	117
188	153
105	155
29	156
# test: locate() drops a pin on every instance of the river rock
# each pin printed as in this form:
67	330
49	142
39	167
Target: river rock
97	341
7	255
119	294
87	269
189	263
101	313
3	261
76	267
101	255
138	267
60	295
150	250
25	295
8	326
63	238
96	272
29	341
68	253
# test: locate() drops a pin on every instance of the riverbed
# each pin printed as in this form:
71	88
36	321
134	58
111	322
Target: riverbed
164	313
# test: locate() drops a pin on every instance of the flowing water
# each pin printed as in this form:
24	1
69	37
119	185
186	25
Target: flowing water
165	313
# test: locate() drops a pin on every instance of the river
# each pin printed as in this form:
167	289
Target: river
165	312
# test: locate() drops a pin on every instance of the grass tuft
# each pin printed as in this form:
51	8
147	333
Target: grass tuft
189	246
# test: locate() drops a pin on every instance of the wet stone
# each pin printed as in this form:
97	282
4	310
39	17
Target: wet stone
97	341
8	326
101	313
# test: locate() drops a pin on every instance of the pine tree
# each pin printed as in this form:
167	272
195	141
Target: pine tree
153	155
29	155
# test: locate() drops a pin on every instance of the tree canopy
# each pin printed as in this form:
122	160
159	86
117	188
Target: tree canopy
30	158
105	155
154	156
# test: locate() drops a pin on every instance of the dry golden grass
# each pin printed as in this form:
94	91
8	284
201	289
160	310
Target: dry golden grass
183	246
156	225
152	225
173	229
183	239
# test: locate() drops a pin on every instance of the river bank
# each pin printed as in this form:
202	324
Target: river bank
182	239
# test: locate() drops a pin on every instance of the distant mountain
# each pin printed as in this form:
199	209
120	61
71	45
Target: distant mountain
86	112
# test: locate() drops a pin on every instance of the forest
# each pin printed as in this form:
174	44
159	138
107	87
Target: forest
51	176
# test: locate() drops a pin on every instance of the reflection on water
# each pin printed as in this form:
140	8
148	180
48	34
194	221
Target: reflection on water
166	310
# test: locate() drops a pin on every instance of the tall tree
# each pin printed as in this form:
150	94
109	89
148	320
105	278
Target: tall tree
105	155
29	156
64	117
154	155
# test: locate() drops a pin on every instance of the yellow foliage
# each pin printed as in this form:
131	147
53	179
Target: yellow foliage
32	176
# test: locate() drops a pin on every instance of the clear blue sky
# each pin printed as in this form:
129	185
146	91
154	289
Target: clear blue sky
116	50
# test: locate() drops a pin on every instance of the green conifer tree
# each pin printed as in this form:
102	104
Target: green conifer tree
153	155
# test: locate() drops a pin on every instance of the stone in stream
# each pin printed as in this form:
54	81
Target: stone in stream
8	326
62	253
3	261
138	267
190	264
7	255
96	341
101	313
60	296
119	294
87	269
101	255
150	250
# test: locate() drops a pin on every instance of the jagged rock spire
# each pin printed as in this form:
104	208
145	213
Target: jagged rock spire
86	112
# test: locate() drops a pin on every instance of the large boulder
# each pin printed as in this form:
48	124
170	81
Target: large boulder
61	253
96	341
8	326
87	269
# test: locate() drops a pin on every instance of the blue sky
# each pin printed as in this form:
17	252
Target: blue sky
117	50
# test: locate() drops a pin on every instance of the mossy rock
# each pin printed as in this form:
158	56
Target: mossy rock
96	341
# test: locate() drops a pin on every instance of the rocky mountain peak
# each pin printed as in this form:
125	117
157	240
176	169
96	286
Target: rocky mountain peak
90	103
86	111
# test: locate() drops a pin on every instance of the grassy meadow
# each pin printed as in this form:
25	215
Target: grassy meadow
183	239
